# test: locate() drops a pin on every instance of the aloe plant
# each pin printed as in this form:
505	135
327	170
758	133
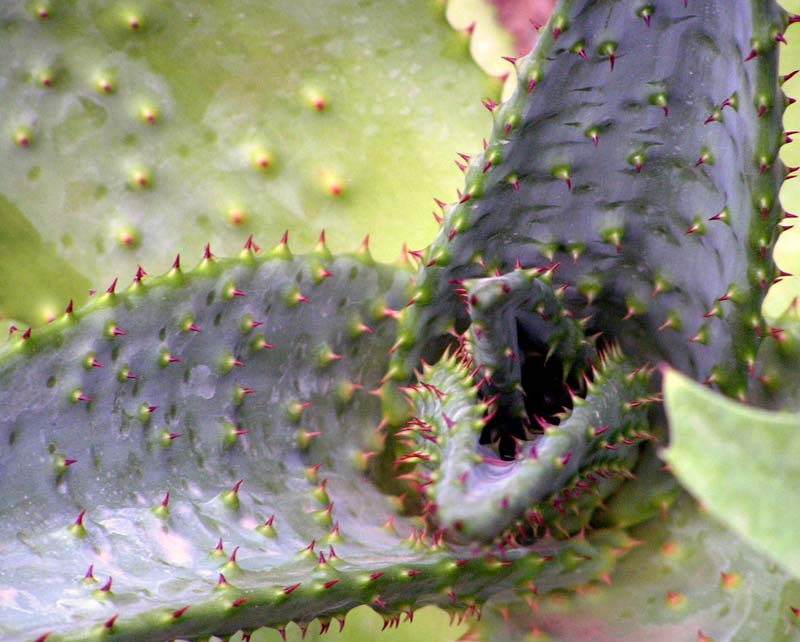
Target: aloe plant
276	438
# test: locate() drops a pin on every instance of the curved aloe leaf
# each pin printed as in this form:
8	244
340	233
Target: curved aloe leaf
619	104
578	184
183	460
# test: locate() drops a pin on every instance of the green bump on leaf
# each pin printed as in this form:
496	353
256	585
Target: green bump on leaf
742	463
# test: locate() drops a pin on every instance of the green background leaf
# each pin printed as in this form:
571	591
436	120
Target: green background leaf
742	463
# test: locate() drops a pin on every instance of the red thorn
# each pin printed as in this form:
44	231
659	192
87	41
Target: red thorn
109	624
176	264
237	486
236	292
291	589
193	328
207	255
107	586
140	274
151	409
112	287
177	614
753	53
556	34
789	76
69	308
779	37
42	638
251	245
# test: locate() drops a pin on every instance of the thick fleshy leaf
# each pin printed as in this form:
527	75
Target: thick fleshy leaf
184	458
639	156
690	579
743	463
137	129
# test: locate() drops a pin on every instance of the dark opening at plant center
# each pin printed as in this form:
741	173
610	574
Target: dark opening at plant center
546	395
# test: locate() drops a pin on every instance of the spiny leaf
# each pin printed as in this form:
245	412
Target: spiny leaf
595	169
182	462
689	579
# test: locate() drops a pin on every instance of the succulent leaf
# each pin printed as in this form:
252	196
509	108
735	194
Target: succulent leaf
711	437
209	123
688	579
181	455
184	442
582	169
568	469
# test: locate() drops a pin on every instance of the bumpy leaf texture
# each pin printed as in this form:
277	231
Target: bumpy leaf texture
622	212
182	460
133	130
